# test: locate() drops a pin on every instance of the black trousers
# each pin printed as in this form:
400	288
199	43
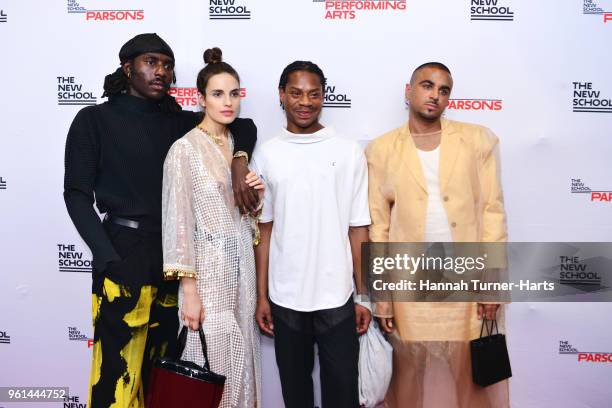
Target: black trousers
135	319
334	332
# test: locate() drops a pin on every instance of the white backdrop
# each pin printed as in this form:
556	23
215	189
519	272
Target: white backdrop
527	62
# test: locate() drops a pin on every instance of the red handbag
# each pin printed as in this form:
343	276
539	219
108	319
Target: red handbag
179	383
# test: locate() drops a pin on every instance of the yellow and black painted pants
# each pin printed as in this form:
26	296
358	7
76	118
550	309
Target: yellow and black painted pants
134	316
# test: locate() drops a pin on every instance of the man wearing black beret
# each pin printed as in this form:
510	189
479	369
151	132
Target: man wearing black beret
114	158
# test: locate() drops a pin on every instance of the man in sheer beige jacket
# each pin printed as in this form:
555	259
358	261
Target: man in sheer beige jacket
435	180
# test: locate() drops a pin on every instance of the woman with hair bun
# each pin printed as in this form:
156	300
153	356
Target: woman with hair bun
208	243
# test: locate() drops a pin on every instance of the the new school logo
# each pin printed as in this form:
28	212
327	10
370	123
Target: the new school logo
74	334
4	338
71	92
3	16
586	98
565	348
490	10
598	8
74	401
71	260
579	187
98	10
228	10
335	99
2	183
575	271
188	97
475	104
348	9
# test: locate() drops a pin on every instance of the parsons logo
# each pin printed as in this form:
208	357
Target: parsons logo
475	104
3	16
97	10
4	338
2	184
348	9
598	8
188	97
579	187
565	348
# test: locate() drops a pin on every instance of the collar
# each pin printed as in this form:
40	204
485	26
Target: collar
135	104
318	136
447	128
450	143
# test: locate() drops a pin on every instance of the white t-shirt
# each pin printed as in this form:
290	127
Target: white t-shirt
436	221
316	187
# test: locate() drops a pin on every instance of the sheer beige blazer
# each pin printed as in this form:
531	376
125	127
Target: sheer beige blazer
472	197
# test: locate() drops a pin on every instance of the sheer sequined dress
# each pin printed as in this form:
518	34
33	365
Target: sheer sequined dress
205	237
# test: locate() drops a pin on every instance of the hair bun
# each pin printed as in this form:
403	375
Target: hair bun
213	55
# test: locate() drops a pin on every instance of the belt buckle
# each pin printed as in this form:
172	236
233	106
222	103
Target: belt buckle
122	221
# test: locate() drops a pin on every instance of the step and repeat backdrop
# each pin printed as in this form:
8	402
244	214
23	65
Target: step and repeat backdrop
536	72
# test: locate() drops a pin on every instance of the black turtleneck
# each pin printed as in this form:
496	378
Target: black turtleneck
115	154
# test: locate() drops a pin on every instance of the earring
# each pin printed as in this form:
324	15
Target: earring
129	74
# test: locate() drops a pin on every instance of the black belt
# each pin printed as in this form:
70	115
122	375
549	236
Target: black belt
132	224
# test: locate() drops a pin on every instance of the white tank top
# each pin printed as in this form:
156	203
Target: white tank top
436	221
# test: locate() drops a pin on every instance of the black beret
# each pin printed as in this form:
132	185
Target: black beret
142	44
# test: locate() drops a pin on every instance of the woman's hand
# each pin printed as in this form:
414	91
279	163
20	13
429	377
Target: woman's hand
192	312
253	181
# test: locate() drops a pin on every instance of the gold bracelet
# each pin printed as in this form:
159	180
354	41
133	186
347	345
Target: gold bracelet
171	274
241	153
255	227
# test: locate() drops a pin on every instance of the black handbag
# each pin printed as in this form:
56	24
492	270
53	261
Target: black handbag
179	383
490	360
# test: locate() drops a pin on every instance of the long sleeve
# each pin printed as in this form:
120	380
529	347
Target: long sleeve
380	207
245	135
494	216
380	211
81	161
178	219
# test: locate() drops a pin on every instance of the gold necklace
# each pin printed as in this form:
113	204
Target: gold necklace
215	138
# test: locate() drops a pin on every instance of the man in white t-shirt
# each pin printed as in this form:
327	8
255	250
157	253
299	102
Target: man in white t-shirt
315	217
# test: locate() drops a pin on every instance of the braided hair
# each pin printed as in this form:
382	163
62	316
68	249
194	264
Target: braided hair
301	66
118	83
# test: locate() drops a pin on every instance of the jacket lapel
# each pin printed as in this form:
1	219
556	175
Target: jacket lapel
408	153
450	144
